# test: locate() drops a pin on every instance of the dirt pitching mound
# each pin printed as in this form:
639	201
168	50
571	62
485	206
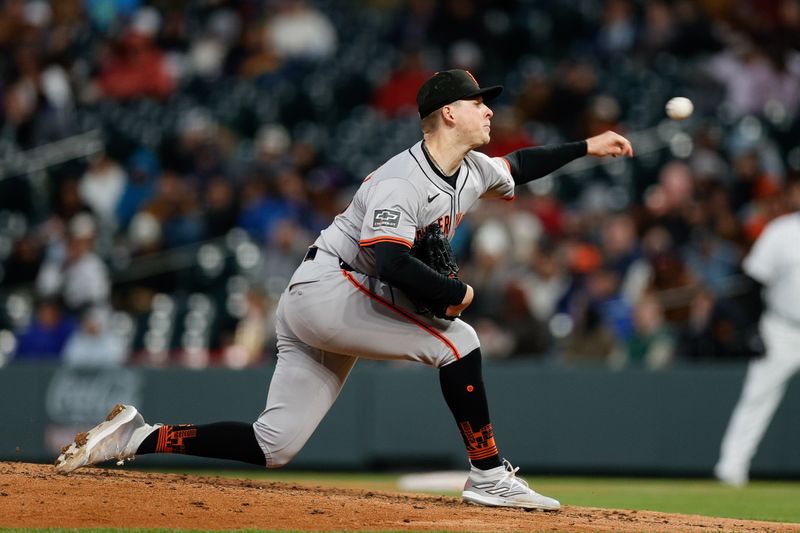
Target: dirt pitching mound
33	495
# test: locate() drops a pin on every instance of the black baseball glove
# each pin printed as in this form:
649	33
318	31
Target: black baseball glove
433	248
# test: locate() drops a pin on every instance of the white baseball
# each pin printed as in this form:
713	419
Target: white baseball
679	108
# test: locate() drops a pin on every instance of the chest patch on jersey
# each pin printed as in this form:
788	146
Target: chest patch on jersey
386	218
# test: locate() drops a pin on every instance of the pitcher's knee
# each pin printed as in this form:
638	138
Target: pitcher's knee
280	458
282	453
279	446
463	341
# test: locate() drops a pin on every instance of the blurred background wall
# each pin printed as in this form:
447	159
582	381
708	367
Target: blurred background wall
550	420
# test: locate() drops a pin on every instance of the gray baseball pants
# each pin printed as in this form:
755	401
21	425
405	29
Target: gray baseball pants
327	319
764	387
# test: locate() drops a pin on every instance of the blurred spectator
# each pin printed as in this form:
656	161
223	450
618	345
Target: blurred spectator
490	268
45	337
206	60
586	324
272	146
253	57
659	30
550	212
397	95
566	104
719	329
299	31
707	162
542	291
696	34
589	340
751	182
604	298
669	274
753	78
93	344
507	133
24	262
701	337
145	237
489	274
652	344
27	119
672	200
411	24
249	342
623	256
102	186
525	231
262	210
140	187
173	35
176	209
104	14
546	284
69	203
288	245
80	276
221	209
200	149
603	114
786	34
144	233
617	32
134	68
459	30
713	261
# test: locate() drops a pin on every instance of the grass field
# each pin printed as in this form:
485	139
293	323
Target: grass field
761	500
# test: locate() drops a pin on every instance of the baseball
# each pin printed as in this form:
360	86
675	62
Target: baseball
679	108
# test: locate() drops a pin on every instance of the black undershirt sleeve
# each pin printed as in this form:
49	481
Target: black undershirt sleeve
417	280
529	164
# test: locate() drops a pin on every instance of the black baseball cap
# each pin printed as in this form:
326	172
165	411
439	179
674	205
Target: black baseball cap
447	86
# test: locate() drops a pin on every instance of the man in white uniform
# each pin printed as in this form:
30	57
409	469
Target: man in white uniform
352	298
774	262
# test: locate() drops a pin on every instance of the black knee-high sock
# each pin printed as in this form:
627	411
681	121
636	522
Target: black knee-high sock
221	440
463	390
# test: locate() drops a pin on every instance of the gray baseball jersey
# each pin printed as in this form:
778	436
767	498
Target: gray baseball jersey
330	316
404	196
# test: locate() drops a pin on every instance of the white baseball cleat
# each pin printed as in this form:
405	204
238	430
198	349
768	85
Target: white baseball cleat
500	487
112	439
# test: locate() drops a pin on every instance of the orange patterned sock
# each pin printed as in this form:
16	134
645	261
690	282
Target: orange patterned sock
463	390
221	440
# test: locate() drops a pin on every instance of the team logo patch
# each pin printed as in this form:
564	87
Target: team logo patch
386	218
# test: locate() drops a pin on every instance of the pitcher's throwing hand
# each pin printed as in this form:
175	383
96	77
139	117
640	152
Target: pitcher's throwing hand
608	143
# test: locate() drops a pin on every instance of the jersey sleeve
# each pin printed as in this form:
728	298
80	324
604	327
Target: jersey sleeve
390	213
495	175
763	261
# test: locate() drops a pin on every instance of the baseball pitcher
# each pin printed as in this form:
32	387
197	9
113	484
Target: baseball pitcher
379	283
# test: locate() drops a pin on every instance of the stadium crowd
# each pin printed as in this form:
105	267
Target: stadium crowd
224	135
